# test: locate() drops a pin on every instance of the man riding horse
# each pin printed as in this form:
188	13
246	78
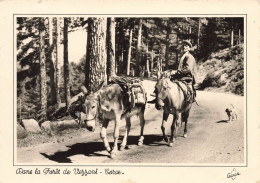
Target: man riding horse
175	93
187	69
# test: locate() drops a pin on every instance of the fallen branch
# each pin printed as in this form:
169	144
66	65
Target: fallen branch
62	112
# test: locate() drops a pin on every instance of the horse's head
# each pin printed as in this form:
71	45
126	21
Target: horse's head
90	107
161	92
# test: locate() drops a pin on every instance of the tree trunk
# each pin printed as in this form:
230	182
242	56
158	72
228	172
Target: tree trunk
183	33
152	54
177	48
138	48
147	61
66	65
96	53
59	56
232	34
239	36
167	47
43	70
51	56
129	52
120	48
232	38
159	68
189	34
122	59
111	48
198	40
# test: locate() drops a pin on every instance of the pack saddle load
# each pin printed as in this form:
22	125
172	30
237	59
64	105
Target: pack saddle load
134	92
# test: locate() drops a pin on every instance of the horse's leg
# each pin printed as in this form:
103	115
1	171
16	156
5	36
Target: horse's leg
142	123
165	117
174	128
103	135
127	130
116	135
186	116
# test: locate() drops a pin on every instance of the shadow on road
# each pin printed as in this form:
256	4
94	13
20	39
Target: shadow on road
148	139
94	148
222	121
87	149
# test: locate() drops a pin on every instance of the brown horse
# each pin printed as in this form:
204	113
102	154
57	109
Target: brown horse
171	96
109	104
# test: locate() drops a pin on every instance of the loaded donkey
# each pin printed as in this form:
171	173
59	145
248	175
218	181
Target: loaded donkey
120	99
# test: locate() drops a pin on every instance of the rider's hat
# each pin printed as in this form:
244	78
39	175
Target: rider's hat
187	42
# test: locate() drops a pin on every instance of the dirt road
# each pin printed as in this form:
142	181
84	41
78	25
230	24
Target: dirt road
211	139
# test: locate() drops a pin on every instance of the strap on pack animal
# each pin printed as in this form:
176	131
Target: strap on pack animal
133	90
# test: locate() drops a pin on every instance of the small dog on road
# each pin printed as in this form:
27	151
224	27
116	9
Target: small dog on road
231	112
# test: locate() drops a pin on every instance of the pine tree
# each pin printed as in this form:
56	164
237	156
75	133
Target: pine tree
59	58
138	48
66	64
111	48
167	42
96	56
51	59
43	69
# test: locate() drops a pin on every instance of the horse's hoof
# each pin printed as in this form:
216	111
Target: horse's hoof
170	144
185	135
166	139
122	147
140	143
108	149
112	155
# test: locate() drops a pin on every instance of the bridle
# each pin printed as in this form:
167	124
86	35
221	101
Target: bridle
98	112
157	95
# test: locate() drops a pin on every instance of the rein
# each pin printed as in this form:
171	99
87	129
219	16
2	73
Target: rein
162	98
98	113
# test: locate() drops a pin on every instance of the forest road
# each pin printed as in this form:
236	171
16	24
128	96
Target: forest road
211	139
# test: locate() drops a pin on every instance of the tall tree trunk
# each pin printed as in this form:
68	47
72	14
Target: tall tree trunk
43	82
190	34
96	57
159	67
51	58
122	59
147	61
120	48
177	47
198	40
239	36
152	55
183	33
232	34
168	31
66	64
59	57
232	38
129	51
138	48
111	48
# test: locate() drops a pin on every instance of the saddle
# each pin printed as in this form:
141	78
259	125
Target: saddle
190	93
187	80
133	91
